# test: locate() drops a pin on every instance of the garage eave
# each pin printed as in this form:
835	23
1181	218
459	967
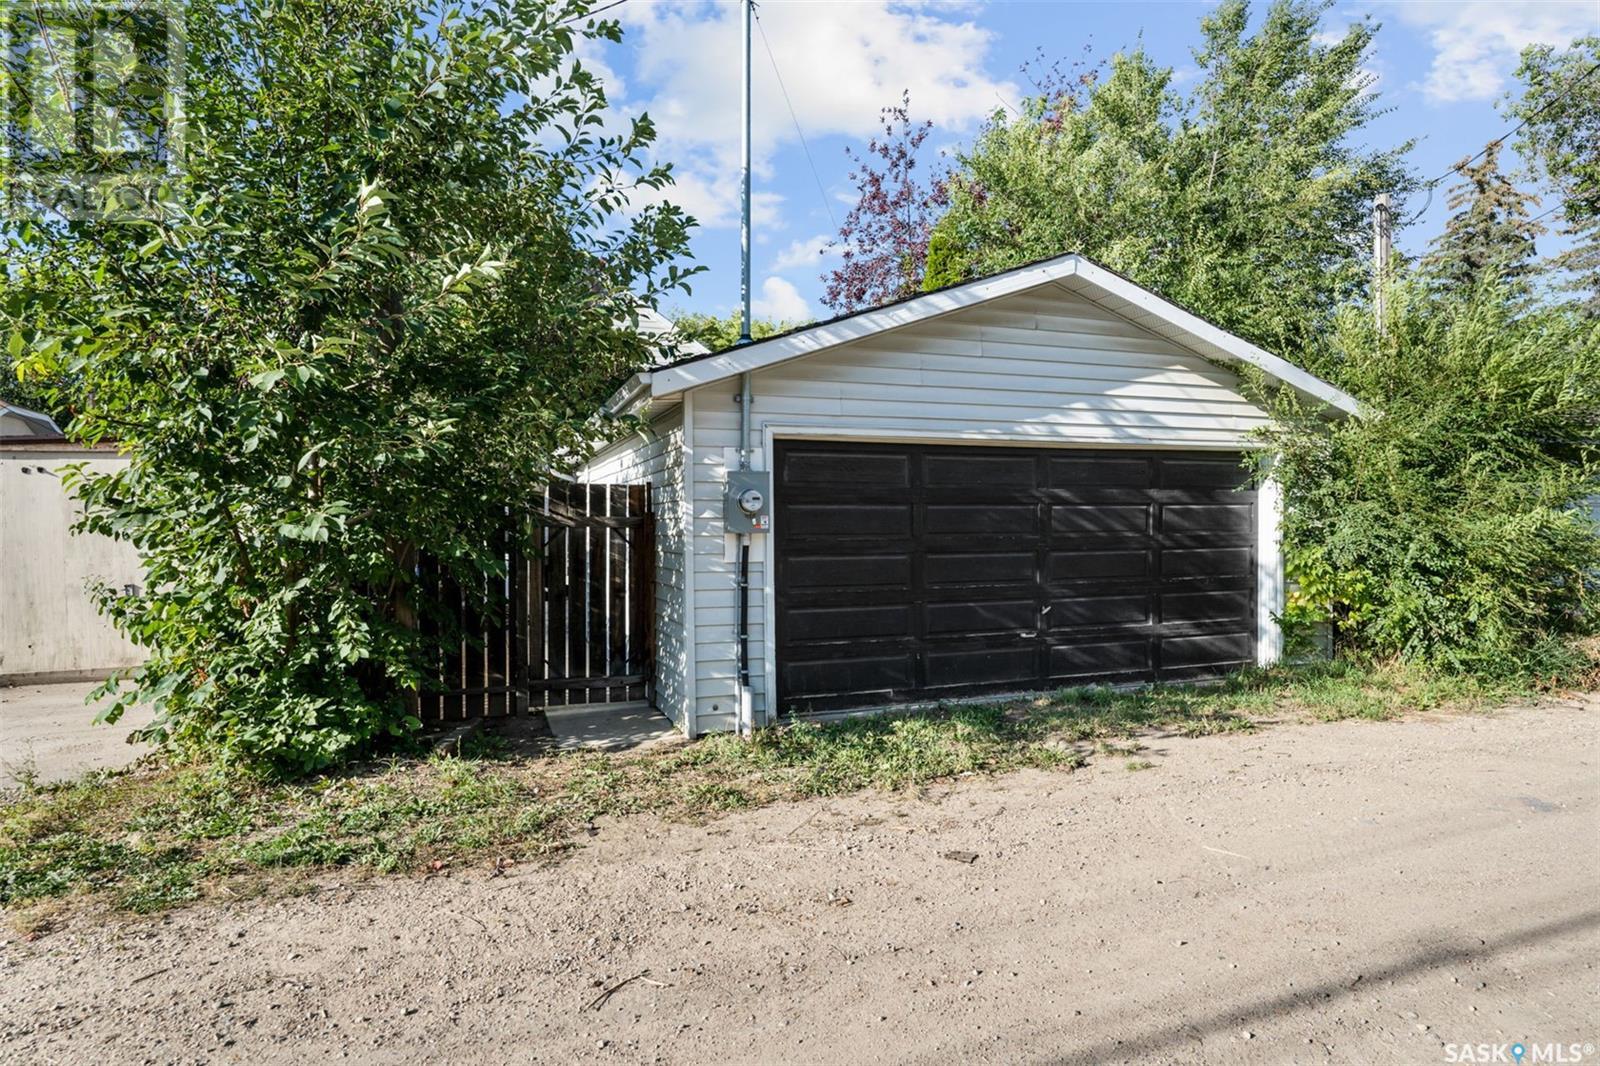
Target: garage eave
1080	275
630	398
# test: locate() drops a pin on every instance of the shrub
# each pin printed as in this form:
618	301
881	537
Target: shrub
381	307
1448	524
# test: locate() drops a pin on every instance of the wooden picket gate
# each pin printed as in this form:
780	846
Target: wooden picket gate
572	621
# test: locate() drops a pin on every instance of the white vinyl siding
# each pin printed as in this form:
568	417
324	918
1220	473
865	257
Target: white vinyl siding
656	455
1045	367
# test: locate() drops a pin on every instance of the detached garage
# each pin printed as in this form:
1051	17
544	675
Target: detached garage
1018	483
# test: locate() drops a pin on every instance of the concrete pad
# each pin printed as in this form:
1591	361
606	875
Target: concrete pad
610	727
47	733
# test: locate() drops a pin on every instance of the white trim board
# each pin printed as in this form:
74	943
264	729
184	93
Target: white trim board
830	428
691	648
1084	278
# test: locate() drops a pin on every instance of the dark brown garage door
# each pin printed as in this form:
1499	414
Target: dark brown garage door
912	572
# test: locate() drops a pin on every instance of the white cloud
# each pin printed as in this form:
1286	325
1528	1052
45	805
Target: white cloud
713	199
1476	44
840	64
782	301
808	252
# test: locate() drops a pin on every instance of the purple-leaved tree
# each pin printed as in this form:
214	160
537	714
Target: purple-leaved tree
884	238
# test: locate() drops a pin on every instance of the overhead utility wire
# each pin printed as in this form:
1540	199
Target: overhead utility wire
1541	216
821	192
592	14
1547	212
1430	186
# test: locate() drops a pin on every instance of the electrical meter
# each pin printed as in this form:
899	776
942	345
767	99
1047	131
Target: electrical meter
746	507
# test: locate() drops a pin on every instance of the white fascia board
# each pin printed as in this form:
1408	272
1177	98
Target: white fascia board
669	381
1279	369
627	400
750	357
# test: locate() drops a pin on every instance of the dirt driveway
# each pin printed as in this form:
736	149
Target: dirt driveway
48	733
1356	892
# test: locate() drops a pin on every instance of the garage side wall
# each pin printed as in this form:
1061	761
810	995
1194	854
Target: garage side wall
1042	368
49	626
656	456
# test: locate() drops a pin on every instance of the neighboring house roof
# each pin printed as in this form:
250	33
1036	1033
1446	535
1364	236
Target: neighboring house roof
21	423
1074	273
657	326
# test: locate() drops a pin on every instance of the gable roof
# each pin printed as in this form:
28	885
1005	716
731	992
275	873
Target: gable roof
658	327
1073	272
19	423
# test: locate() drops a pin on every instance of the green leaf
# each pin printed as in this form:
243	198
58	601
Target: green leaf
266	379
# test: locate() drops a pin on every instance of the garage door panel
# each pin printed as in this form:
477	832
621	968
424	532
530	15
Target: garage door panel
986	667
1208	541
980	467
986	569
1205	655
961	518
1102	565
845	571
983	617
1213	649
1207	518
1099	518
1082	659
1200	606
1074	612
803	466
849	520
1076	471
864	675
1219	473
969	568
1207	562
846	623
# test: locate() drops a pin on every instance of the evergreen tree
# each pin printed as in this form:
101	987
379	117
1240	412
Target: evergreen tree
1490	233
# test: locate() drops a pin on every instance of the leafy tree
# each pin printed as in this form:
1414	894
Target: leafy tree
1449	526
722	332
1490	233
883	241
946	263
1246	201
1059	88
1560	106
379	312
33	395
37	391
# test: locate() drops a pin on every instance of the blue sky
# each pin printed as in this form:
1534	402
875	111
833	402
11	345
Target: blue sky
1441	67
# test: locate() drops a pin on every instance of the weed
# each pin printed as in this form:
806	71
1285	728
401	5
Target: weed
157	837
712	796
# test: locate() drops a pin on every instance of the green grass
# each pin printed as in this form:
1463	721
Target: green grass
149	839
